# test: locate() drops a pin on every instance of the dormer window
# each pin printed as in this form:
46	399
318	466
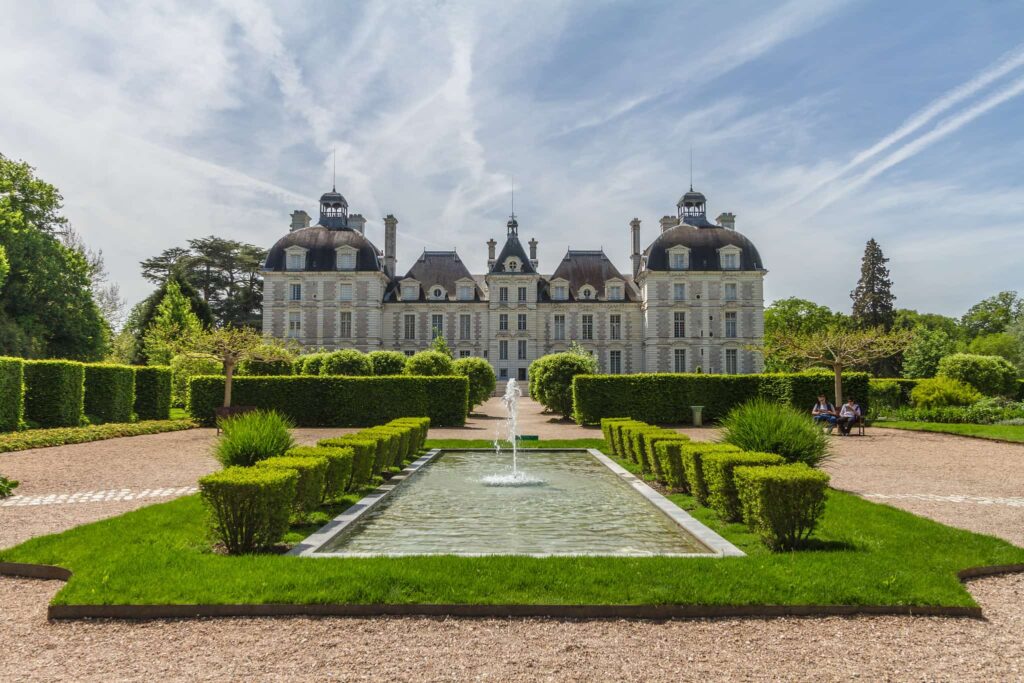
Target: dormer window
465	292
587	293
346	258
560	293
615	293
679	258
729	258
437	293
296	260
512	264
410	291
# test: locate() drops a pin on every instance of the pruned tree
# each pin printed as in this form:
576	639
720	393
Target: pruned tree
230	346
841	349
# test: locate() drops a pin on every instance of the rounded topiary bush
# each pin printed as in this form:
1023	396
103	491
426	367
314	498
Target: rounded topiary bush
251	437
941	391
551	378
429	364
249	507
265	368
767	427
312	363
347	362
387	362
481	378
991	375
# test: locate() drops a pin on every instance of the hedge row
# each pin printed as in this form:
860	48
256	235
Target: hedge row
666	398
152	393
62	436
109	393
338	401
12	393
779	502
54	393
382	449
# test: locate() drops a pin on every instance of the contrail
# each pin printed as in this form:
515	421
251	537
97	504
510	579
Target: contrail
944	128
1009	62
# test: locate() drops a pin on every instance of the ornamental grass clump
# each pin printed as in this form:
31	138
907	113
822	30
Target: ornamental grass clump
763	426
782	504
309	487
249	506
338	477
718	475
251	437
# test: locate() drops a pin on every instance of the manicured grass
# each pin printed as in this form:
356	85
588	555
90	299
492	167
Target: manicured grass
180	414
1013	433
61	436
862	554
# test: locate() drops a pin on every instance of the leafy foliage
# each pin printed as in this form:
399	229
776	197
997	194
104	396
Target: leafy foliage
173	323
309	488
254	436
183	369
339	475
782	504
109	393
994	314
12	393
54	393
991	375
939	392
551	378
249	506
387	362
430	364
152	393
1003	344
481	378
718	474
270	360
786	317
767	427
7	486
347	362
131	342
61	436
926	349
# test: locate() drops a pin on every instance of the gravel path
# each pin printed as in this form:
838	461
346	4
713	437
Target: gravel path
936	475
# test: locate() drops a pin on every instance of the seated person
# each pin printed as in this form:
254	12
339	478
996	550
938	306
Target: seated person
823	411
849	414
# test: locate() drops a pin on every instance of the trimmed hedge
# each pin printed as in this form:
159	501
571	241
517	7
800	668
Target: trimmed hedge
249	506
889	393
387	362
348	362
54	393
338	477
718	475
61	436
781	504
692	464
12	393
338	401
644	441
421	426
266	368
364	454
153	393
606	431
666	398
109	393
309	487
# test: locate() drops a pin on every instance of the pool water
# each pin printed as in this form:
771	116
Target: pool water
581	508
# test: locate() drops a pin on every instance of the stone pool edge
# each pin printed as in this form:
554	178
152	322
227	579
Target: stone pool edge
716	544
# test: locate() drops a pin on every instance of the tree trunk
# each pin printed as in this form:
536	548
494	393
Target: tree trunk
229	373
838	369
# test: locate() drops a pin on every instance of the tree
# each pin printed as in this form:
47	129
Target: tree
141	317
926	349
5	267
440	345
481	378
173	323
873	297
1003	344
230	346
790	316
909	319
429	364
993	314
841	349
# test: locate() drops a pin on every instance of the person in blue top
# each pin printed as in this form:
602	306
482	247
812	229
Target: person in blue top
823	411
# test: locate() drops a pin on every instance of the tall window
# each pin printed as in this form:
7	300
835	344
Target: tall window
521	348
678	325
615	326
502	293
345	292
465	326
296	261
731	362
730	324
437	325
587	327
345	325
561	293
296	292
521	322
679	291
730	261
503	373
503	349
465	292
410	326
730	291
522	293
294	325
680	360
615	293
615	362
559	327
503	322
346	260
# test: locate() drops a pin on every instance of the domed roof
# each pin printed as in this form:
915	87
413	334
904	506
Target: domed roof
320	244
333	197
703	244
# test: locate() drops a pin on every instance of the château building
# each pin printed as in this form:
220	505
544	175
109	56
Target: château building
693	300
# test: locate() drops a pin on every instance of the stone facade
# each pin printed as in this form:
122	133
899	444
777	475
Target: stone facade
694	301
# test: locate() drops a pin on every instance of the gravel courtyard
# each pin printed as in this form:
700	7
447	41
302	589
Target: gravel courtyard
963	482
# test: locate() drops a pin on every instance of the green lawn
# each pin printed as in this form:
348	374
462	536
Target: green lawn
863	554
1013	433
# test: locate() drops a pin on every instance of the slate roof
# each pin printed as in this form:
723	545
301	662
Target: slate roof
589	267
704	243
513	247
320	243
443	268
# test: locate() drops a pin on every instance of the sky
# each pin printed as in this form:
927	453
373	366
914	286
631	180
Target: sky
819	124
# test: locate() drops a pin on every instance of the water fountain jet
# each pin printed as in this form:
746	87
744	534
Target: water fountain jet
515	477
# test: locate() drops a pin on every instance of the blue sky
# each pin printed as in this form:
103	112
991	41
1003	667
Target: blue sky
819	124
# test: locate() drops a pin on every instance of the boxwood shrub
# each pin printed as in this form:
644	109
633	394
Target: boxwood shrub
338	401
274	367
309	487
781	504
718	475
249	506
643	446
991	375
54	393
606	431
12	393
153	393
421	427
691	457
338	477
347	362
387	362
109	393
364	450
666	398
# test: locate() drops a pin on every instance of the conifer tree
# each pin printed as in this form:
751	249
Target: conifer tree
173	321
873	298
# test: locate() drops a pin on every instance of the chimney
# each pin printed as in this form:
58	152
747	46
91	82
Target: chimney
668	222
390	243
491	244
533	251
727	221
300	219
357	222
634	229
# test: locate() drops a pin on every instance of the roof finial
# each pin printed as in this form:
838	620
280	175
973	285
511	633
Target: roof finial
691	168
334	170
513	216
